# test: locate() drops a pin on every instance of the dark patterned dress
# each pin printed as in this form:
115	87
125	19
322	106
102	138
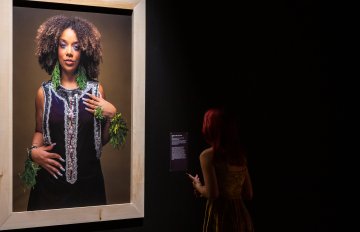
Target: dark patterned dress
77	135
228	213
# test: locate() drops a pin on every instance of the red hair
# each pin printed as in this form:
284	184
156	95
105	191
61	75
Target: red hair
221	132
213	126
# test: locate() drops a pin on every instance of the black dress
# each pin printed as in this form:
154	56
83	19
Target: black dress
77	135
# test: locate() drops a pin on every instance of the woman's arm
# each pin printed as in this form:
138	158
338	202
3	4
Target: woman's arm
108	111
210	188
39	109
40	154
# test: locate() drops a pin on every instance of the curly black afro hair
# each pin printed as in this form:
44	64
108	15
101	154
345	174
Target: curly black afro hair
47	41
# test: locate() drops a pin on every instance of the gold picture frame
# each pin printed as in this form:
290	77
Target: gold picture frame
133	209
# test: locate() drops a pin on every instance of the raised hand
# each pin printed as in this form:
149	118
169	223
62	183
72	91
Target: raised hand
196	183
93	102
195	179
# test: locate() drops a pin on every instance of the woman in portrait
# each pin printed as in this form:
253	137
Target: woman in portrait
73	118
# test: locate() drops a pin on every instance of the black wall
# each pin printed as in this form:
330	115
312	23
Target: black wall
274	64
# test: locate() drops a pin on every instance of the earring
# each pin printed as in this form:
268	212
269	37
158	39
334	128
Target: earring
55	76
81	79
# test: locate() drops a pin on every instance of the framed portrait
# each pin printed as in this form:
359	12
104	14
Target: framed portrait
122	74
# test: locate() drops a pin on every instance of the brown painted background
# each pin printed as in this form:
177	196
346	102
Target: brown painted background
115	76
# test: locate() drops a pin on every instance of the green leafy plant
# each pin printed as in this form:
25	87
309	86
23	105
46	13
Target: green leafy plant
55	76
28	176
99	113
81	79
118	131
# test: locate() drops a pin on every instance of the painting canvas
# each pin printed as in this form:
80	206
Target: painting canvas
121	72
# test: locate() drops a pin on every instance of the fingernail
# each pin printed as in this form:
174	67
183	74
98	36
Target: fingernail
53	144
61	159
59	174
62	169
55	176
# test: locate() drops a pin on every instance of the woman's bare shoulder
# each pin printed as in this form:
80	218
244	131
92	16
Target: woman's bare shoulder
101	90
40	93
207	154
